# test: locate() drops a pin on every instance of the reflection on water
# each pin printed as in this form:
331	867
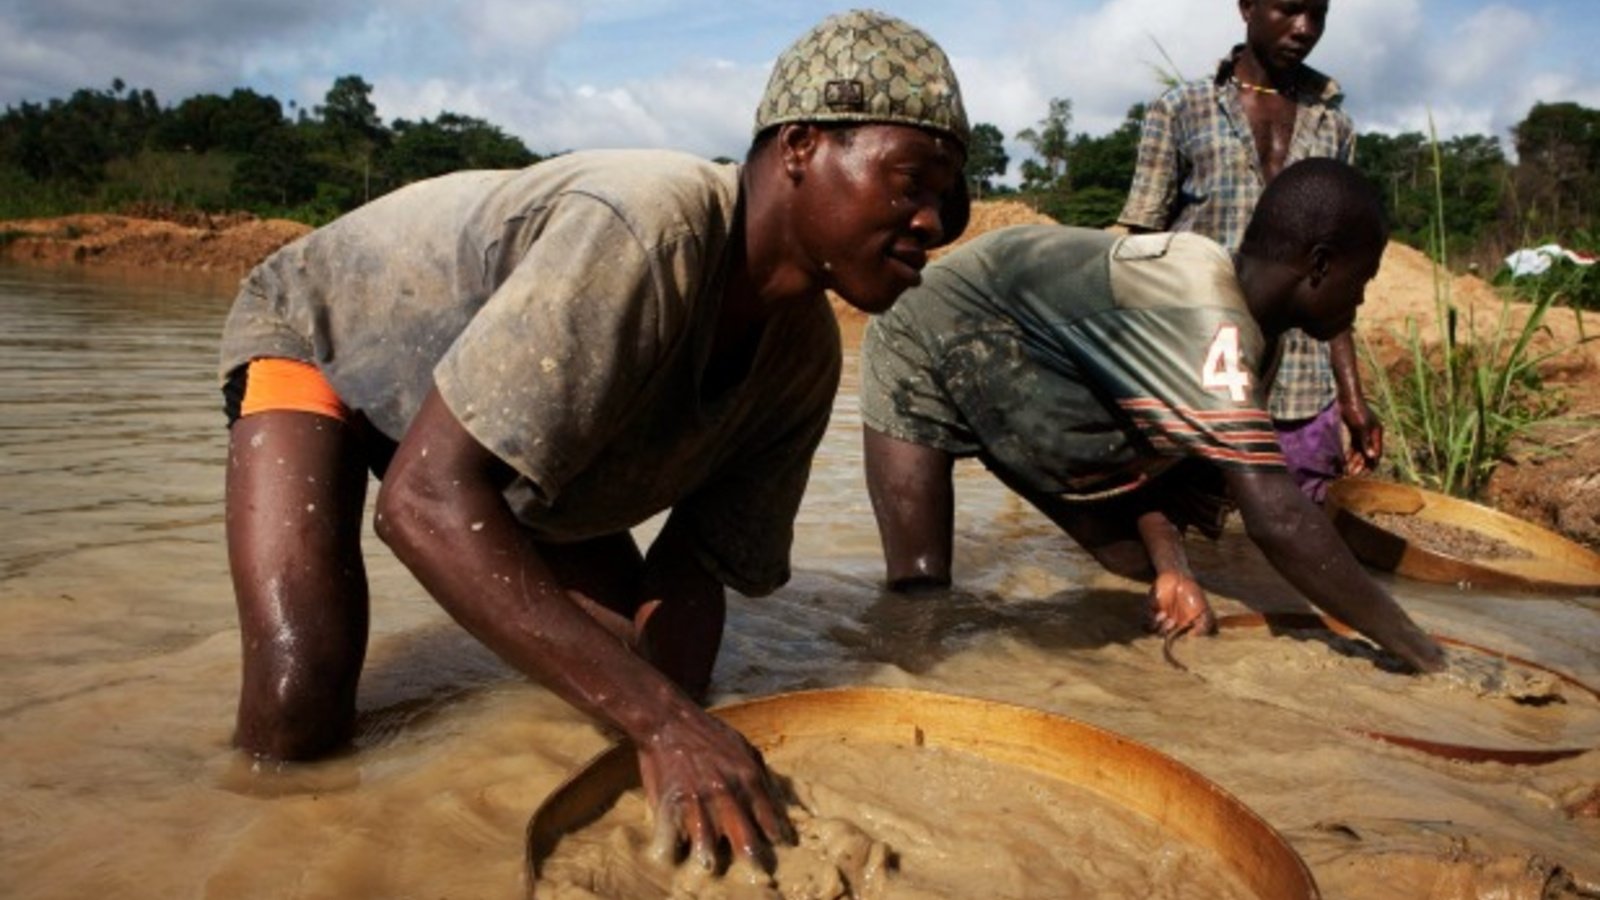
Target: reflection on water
118	659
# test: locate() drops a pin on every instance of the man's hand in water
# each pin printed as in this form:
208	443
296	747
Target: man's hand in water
705	783
1176	603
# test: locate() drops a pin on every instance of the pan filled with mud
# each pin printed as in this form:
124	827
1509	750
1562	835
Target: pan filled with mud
1486	706
1433	537
910	794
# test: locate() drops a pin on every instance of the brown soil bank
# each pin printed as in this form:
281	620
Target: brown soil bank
230	243
1554	481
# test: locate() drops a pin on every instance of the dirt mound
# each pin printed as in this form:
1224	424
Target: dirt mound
1551	478
1404	289
988	215
231	243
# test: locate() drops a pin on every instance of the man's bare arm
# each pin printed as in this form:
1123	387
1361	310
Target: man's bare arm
442	512
1301	544
1366	430
914	502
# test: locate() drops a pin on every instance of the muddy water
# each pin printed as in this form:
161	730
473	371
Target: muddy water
118	665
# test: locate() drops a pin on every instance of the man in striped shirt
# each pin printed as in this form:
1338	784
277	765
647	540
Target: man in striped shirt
1207	148
1112	381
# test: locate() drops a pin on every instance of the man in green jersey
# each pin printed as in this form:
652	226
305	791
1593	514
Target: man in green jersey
1108	380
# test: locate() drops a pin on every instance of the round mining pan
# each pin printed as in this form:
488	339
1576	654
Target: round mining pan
1523	756
1381	522
1121	771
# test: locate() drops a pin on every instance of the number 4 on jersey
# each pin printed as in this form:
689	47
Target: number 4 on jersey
1221	370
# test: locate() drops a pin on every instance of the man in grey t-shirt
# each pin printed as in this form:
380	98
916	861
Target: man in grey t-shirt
534	362
1106	379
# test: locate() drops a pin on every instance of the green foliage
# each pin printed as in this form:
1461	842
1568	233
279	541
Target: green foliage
1098	173
278	172
208	122
349	114
1558	171
1051	142
168	180
1090	207
986	158
1108	161
22	197
448	143
1454	406
100	150
1475	177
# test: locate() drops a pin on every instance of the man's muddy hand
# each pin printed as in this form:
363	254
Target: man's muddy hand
704	784
1177	603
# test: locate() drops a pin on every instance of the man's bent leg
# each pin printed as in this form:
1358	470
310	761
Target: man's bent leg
1108	529
679	625
604	576
296	486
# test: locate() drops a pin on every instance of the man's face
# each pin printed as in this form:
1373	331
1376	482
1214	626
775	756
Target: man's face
873	208
1282	33
1327	308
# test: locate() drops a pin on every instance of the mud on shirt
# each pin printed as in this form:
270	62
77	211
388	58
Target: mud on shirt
1081	363
565	313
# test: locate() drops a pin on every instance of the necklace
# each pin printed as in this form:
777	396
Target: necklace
1247	86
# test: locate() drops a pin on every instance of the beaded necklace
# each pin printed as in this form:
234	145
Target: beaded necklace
1247	86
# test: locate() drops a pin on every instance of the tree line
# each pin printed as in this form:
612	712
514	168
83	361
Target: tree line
120	149
1490	204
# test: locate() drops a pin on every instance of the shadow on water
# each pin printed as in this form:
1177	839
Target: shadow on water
412	677
917	631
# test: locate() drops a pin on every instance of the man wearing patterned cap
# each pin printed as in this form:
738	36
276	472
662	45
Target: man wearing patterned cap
535	361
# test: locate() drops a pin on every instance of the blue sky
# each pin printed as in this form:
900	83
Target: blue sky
566	75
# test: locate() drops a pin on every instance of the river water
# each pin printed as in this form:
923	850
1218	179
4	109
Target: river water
119	664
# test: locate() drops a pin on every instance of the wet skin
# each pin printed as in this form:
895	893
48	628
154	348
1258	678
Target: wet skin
629	638
296	483
891	184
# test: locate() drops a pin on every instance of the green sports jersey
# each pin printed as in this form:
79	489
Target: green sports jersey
1081	363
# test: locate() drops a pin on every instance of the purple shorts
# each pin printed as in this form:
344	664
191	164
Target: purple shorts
1314	449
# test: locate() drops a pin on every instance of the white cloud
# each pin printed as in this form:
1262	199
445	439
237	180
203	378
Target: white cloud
562	74
506	30
1487	48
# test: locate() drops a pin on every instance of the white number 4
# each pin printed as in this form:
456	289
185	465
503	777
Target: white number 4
1221	368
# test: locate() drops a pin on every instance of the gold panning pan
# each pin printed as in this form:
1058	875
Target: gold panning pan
1544	561
1122	771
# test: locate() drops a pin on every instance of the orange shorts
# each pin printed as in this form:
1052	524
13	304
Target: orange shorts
273	384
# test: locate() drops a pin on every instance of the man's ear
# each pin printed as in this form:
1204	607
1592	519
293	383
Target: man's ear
1244	9
797	144
1321	261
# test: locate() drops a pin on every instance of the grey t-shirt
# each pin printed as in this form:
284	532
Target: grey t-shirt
565	312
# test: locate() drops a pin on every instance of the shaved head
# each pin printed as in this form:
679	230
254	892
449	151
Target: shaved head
1312	202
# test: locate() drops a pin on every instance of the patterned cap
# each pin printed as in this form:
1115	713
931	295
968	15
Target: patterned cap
864	66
